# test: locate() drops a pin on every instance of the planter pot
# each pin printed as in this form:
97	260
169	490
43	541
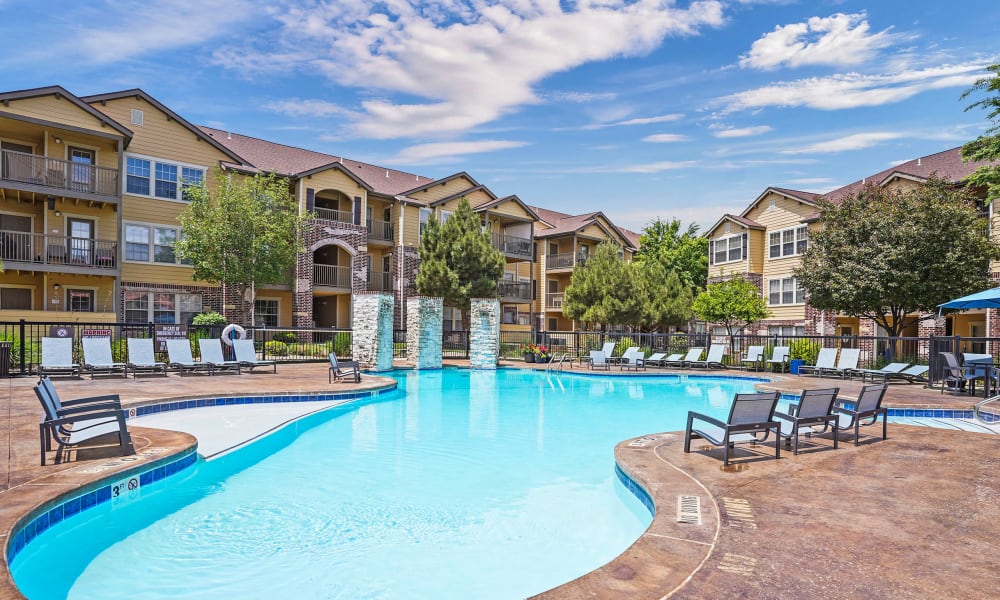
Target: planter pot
529	357
794	364
543	358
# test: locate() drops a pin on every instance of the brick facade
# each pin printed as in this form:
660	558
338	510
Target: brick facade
352	238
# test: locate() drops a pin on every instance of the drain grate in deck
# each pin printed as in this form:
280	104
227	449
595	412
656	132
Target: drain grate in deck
689	510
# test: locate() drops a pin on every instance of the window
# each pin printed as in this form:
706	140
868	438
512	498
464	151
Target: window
452	319
161	307
425	214
728	249
151	243
80	300
786	330
788	242
553	324
137	117
445	215
160	179
265	312
15	298
785	291
509	314
553	286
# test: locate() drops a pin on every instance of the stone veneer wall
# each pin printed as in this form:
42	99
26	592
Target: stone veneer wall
424	317
372	325
484	335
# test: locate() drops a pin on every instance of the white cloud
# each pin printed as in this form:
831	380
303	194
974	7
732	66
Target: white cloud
811	181
835	40
857	141
852	90
743	131
295	107
450	151
665	138
461	63
656	167
583	97
650	120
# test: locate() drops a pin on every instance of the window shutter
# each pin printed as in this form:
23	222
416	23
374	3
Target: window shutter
357	210
745	242
711	252
310	199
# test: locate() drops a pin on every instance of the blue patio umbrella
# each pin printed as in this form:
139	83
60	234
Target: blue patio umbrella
985	299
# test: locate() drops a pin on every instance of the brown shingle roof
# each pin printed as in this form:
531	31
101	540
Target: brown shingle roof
289	160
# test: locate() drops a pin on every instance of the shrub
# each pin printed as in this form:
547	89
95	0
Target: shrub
803	349
208	318
342	344
287	337
275	348
119	350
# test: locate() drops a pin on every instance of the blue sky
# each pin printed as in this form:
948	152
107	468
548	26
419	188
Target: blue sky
639	108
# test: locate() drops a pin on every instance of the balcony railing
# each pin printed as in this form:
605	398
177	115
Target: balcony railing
379	230
518	318
340	216
554	300
514	292
512	246
40	248
380	281
332	276
566	260
58	174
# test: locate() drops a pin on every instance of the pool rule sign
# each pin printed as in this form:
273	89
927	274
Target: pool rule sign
168	331
125	490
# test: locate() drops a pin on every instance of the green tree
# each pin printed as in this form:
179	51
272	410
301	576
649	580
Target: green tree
889	255
243	233
458	260
986	147
685	253
600	291
662	299
735	303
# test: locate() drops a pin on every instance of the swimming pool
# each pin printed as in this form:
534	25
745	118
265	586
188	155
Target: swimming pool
461	484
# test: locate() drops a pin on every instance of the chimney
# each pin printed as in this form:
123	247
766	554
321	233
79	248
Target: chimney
918	161
387	173
229	135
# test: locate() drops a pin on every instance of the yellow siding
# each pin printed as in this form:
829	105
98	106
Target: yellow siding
25	280
729	268
793	312
411	233
62	111
475	199
593	231
438	191
786	213
510	208
105	221
104	291
757	250
158	273
148	210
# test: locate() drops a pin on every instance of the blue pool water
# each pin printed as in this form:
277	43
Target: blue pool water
463	484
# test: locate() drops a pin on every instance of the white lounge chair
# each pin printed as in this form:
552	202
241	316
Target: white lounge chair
633	359
141	358
179	357
714	358
656	358
848	363
692	355
754	358
97	357
779	357
883	373
211	352
246	354
826	359
598	360
57	358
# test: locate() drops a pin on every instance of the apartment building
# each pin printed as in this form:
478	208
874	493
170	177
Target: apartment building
765	244
91	189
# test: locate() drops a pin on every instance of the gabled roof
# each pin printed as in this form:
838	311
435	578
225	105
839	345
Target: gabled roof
432	182
511	198
797	195
465	192
81	103
739	220
563	224
299	162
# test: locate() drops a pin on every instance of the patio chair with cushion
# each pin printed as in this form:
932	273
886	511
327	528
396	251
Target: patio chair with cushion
826	359
883	373
814	409
73	422
751	416
865	410
714	358
211	352
57	358
340	370
754	358
141	358
779	358
247	355
598	360
179	358
97	357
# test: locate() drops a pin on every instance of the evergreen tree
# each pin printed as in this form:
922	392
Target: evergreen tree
663	300
600	291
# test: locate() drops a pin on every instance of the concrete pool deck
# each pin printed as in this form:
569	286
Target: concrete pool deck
912	516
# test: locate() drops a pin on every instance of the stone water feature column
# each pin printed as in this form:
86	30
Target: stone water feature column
423	331
484	333
372	324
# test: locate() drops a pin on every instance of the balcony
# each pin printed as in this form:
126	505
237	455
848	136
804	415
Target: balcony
67	253
514	292
49	175
565	260
554	300
332	276
340	216
379	231
379	281
514	247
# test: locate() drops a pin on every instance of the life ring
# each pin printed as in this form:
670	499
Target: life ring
232	332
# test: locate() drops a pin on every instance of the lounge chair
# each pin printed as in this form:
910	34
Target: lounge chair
73	422
340	370
753	358
633	359
867	406
750	416
211	352
693	354
97	357
57	358
247	355
814	408
179	357
826	359
714	358
847	364
915	374
609	352
598	360
141	358
661	358
779	358
884	373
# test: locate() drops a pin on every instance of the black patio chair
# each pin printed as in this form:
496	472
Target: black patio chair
750	416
